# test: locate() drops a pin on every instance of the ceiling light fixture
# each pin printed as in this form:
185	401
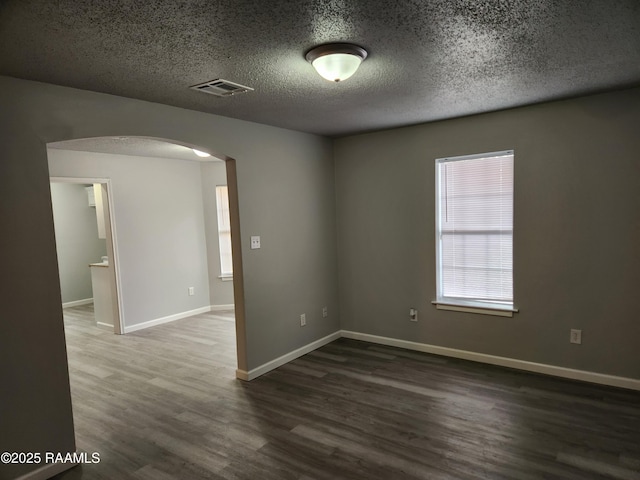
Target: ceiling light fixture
336	61
200	153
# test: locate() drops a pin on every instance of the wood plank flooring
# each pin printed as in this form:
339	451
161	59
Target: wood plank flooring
163	403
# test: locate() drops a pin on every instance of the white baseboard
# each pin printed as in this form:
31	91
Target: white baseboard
582	375
218	308
170	318
553	370
77	303
47	471
273	364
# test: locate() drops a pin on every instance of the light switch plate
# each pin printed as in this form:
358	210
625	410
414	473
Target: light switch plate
255	242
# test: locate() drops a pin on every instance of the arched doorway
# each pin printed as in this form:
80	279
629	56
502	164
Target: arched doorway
131	187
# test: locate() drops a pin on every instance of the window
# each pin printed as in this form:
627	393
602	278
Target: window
474	228
224	231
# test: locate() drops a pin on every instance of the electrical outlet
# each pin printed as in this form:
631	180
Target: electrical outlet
413	314
255	242
191	291
575	336
325	312
303	320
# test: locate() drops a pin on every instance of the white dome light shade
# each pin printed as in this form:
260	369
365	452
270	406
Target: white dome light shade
336	67
337	61
200	153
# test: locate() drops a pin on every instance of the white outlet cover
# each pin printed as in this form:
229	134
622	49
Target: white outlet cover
255	242
575	336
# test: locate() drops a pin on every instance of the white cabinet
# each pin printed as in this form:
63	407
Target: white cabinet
91	197
99	196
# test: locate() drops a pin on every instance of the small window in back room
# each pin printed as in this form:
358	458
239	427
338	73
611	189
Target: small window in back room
474	228
224	232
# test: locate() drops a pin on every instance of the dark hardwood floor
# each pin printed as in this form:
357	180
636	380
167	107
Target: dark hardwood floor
163	403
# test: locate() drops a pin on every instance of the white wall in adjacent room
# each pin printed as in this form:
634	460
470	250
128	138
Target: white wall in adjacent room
159	225
77	241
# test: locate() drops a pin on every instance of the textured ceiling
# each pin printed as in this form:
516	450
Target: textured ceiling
133	146
428	60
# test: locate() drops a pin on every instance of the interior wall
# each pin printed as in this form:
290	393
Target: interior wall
159	225
287	197
35	401
214	174
576	262
285	185
77	240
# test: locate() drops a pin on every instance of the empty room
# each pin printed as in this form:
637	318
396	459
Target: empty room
433	216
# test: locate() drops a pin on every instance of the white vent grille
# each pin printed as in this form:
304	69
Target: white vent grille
221	88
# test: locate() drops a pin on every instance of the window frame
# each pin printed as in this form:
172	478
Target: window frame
442	302
221	230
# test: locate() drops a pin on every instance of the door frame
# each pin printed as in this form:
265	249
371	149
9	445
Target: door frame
112	244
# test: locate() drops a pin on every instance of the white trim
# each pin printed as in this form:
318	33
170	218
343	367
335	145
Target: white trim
226	277
47	471
119	327
77	303
167	319
570	373
218	308
499	312
67	179
585	376
502	153
102	324
273	364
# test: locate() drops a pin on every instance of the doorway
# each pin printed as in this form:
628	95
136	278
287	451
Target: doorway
86	246
168	263
165	258
162	251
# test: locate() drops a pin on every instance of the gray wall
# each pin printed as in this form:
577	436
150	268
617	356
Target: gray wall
576	241
285	182
159	225
214	174
35	410
77	239
576	257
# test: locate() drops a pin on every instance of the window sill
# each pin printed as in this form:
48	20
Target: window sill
226	278
498	311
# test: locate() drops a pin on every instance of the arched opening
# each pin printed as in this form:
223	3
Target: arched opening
163	249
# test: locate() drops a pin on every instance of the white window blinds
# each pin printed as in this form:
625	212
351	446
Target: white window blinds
474	227
224	230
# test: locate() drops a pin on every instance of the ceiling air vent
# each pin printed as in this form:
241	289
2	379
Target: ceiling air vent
221	88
